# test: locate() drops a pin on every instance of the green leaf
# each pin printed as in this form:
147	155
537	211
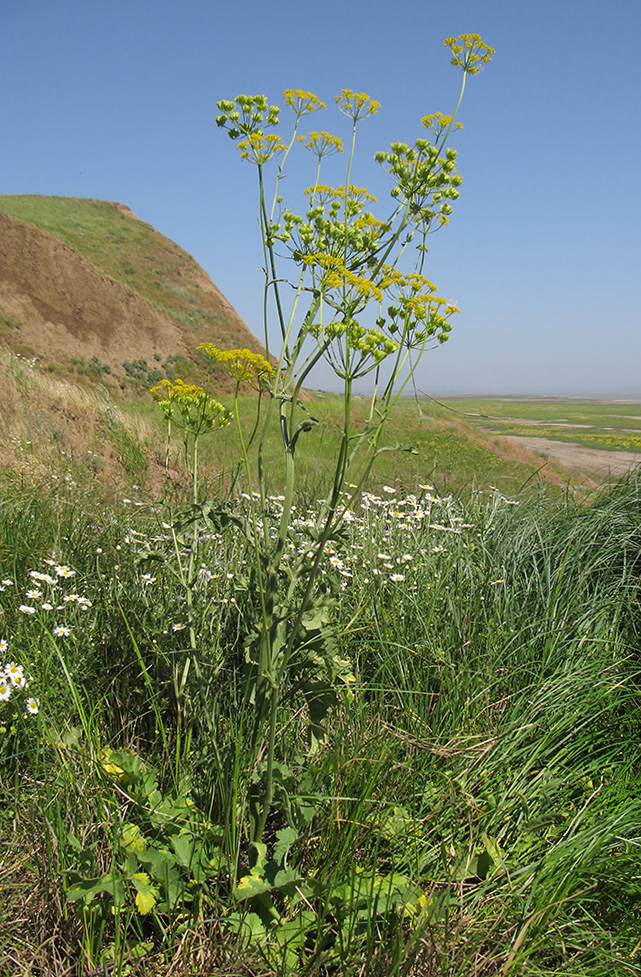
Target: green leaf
183	845
321	697
251	885
132	838
286	880
248	924
146	894
285	838
88	889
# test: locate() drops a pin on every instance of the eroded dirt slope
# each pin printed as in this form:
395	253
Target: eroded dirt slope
56	304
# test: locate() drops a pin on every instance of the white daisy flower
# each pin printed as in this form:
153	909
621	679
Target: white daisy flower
64	571
19	681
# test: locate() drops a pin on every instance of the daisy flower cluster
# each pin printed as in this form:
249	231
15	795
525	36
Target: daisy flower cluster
46	592
14	683
383	538
47	599
386	539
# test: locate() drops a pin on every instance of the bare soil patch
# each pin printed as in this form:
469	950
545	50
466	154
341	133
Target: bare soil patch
65	306
57	305
592	461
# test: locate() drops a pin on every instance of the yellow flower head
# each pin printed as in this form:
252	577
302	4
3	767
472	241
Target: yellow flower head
354	193
338	276
198	411
302	102
322	144
469	52
438	122
356	105
241	364
178	391
260	147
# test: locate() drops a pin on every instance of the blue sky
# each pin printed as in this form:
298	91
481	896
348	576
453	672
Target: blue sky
116	100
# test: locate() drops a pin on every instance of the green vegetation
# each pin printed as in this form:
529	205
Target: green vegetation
127	249
607	426
277	726
473	810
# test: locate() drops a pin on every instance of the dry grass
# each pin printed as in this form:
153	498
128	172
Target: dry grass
53	428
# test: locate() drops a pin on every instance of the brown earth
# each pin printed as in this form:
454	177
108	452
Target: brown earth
595	462
56	304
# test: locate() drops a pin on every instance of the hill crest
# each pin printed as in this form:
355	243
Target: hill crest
86	282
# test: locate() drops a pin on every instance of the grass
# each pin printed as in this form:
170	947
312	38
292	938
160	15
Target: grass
606	426
442	449
127	249
52	427
135	254
474	811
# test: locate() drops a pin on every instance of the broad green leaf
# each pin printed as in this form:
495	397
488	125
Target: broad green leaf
251	885
183	845
285	838
132	838
88	889
146	895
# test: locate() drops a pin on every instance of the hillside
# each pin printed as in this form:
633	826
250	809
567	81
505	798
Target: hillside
87	289
96	306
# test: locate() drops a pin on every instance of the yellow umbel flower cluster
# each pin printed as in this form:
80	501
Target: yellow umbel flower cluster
337	275
322	190
241	364
322	143
260	147
469	52
198	411
438	123
356	105
302	102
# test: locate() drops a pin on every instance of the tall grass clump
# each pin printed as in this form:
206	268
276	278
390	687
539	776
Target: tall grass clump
473	809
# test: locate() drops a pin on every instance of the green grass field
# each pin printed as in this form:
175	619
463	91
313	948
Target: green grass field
473	810
606	426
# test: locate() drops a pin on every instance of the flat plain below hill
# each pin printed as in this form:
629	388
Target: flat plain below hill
599	438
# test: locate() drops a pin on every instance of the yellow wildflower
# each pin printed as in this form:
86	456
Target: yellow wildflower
260	148
339	276
322	143
241	364
302	102
198	411
356	105
469	52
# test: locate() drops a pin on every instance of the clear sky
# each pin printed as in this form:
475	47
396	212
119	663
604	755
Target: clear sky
116	100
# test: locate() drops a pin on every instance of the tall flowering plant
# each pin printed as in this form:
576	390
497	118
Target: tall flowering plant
325	270
347	288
